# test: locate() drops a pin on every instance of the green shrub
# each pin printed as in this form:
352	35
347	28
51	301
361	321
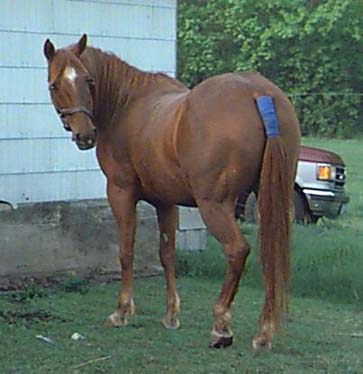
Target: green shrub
311	49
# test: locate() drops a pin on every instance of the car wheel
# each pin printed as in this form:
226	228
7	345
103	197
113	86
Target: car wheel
301	212
250	213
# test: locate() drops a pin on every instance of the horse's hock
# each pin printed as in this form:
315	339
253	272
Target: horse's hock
44	239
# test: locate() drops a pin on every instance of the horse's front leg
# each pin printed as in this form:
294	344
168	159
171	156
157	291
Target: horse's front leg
123	206
167	217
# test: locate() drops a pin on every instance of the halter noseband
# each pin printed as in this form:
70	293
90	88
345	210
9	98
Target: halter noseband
70	111
76	109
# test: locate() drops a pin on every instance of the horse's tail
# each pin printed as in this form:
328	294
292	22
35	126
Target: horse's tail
274	193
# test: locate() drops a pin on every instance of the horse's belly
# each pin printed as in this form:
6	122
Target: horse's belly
160	188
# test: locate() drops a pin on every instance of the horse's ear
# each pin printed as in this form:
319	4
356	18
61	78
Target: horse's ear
49	49
80	46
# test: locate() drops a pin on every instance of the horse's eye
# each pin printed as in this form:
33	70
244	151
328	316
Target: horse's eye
53	87
90	80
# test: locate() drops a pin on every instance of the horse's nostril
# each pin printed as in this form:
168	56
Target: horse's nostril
78	137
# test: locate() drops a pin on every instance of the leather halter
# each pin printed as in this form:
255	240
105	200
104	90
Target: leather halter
76	109
70	111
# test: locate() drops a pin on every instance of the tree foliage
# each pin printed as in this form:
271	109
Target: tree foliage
312	49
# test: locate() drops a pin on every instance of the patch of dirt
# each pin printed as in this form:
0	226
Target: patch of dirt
14	317
68	278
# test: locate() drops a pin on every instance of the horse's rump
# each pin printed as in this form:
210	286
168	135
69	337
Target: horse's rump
221	138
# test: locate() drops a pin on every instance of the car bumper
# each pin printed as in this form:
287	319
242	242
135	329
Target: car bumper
326	203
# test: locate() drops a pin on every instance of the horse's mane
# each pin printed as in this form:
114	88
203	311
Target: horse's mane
116	63
117	81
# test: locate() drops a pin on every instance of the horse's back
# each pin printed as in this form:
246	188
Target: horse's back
221	138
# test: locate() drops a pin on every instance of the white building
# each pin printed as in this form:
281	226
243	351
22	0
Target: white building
38	162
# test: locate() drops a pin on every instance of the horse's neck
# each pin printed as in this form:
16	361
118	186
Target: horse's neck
112	80
118	84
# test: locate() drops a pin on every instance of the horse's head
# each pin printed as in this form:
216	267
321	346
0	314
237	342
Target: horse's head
71	89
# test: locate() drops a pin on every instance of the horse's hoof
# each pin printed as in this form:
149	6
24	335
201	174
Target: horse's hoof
171	323
221	342
261	344
116	320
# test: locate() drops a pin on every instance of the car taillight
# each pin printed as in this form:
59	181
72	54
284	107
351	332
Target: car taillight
324	172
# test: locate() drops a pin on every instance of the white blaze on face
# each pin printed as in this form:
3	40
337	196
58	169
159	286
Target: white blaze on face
70	74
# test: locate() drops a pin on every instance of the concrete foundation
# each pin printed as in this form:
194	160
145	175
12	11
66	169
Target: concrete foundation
46	238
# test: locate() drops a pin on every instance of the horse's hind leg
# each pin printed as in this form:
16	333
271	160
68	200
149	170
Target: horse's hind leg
167	217
220	222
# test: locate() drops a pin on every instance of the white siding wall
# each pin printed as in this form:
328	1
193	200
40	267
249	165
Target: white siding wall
38	162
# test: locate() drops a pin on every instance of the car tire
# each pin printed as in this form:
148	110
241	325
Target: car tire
251	212
299	212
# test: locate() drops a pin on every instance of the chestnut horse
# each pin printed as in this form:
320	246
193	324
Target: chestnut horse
160	142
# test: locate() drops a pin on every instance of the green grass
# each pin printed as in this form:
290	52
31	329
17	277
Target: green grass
327	258
319	337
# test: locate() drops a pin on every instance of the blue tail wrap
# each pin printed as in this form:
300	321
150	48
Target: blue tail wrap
266	108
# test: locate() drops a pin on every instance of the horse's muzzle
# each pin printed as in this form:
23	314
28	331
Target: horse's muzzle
84	142
84	146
